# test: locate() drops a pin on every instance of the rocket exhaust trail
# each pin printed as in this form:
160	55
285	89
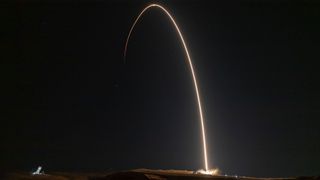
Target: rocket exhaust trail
190	65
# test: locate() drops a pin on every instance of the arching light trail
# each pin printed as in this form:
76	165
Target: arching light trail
191	68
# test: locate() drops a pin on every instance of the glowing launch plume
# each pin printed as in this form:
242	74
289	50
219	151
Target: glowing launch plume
191	68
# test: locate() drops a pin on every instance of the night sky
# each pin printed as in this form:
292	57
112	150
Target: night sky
70	103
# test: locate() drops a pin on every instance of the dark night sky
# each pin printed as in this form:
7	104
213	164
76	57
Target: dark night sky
69	103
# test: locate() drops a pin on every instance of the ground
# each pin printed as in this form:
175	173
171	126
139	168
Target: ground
138	174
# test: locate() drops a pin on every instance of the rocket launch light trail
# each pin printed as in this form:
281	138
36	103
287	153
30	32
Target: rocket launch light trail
192	73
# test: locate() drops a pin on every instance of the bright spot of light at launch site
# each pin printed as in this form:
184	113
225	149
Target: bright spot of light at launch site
206	170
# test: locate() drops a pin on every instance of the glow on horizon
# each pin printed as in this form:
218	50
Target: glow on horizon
191	68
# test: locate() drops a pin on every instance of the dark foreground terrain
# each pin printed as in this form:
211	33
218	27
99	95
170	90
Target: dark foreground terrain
140	174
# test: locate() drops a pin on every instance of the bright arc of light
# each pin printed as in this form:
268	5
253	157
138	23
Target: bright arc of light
190	65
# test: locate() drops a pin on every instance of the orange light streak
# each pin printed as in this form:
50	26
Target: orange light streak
191	68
